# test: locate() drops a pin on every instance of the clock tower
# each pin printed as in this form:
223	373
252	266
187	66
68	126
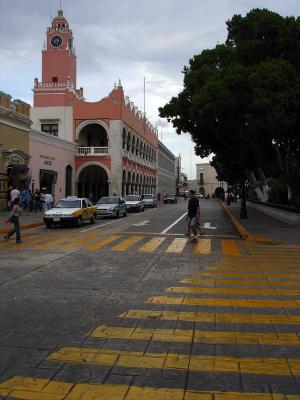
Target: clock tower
59	59
58	67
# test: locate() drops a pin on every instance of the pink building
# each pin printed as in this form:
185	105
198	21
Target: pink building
114	146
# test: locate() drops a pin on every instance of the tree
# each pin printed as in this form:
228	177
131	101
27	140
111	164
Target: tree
247	89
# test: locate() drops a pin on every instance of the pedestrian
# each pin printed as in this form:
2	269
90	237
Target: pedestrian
194	215
14	194
14	219
48	201
25	199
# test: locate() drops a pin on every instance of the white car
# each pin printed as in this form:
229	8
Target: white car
111	206
149	200
134	202
71	211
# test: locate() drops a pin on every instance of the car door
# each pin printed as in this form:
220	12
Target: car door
90	209
85	211
123	206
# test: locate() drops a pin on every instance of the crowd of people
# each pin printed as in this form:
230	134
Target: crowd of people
39	200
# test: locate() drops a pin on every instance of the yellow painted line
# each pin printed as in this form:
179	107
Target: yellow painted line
177	245
235	291
197	336
51	243
247	283
101	243
230	248
12	240
238	268
203	246
152	245
43	389
127	243
179	362
264	275
220	302
77	243
230	318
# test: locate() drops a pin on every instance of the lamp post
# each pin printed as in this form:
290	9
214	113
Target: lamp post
243	212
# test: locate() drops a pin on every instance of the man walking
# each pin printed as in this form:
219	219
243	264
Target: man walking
14	219
194	215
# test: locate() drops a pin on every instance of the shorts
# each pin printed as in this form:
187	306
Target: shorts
194	222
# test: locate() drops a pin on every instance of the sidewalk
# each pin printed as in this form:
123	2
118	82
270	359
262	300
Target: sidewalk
261	226
26	221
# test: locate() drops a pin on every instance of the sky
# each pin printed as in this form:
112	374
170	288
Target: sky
123	39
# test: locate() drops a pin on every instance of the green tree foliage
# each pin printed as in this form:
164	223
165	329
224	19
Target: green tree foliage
248	87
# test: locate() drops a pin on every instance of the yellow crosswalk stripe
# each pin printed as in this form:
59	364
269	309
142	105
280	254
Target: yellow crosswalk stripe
229	247
49	243
266	275
197	336
173	361
235	291
230	318
203	246
222	302
101	243
239	269
20	387
244	282
127	243
177	245
152	245
76	243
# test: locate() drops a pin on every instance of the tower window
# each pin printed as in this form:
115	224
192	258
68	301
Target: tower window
51	129
54	79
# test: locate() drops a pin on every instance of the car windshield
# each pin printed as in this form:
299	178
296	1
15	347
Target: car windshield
148	196
68	204
132	198
109	200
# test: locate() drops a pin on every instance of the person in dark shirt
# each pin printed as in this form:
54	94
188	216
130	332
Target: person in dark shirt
194	215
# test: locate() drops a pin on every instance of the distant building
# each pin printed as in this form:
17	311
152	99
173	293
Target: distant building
166	176
206	177
192	185
14	146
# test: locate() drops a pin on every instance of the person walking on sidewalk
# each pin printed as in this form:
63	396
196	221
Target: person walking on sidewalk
14	219
194	215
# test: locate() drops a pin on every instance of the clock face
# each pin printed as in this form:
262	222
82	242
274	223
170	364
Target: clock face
56	41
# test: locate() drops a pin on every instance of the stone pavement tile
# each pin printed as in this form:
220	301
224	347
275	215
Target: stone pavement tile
286	389
83	373
213	382
153	378
114	379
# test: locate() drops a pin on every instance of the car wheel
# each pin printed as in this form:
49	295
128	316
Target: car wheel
139	209
79	222
125	213
93	219
117	214
143	209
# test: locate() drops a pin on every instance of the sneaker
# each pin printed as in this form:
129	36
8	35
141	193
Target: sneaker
19	241
195	240
6	237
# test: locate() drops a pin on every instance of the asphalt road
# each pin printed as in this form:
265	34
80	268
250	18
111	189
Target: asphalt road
130	309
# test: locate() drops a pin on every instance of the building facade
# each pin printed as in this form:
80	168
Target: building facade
14	146
207	181
115	146
166	170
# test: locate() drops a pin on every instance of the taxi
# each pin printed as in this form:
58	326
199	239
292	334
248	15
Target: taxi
71	211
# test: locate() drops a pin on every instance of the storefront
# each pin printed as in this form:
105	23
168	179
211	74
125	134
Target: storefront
52	164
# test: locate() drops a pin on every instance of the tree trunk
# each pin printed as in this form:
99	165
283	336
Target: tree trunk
255	185
264	184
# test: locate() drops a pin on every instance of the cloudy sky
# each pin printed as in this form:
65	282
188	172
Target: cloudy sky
126	39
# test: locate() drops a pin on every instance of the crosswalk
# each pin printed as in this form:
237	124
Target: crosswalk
246	305
116	243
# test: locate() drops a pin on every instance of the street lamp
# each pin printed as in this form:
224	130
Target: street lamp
243	212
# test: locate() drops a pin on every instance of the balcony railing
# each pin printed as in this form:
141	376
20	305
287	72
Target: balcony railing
138	159
91	151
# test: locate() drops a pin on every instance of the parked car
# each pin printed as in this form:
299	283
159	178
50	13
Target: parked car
149	200
170	198
71	211
111	206
134	202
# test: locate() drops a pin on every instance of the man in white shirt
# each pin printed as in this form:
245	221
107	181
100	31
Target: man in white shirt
14	194
48	199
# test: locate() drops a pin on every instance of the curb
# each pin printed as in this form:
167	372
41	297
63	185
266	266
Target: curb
241	230
23	227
